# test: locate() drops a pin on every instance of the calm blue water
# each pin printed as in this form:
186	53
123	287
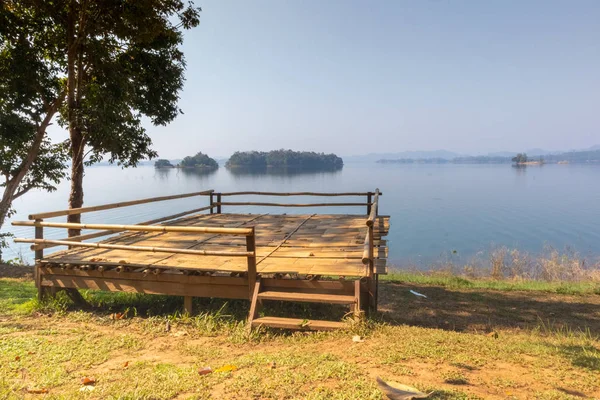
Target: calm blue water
438	211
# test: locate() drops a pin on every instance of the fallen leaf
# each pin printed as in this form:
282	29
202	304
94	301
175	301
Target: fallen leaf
88	381
167	326
357	339
30	352
17	358
205	371
37	391
126	364
401	392
117	316
226	368
180	333
272	365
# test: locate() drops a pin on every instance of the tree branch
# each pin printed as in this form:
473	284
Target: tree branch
23	191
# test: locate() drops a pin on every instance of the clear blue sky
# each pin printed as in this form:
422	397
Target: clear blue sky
382	76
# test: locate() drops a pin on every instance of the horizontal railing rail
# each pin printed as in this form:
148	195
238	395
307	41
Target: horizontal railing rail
95	235
250	203
323	194
137	248
140	228
74	211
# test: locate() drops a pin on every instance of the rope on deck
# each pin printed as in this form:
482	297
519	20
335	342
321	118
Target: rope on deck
285	239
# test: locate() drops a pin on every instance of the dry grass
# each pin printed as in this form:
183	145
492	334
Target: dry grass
503	263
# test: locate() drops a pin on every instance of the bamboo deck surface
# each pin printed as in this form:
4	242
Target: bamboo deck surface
304	244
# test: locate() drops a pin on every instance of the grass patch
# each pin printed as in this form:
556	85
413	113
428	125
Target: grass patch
138	358
459	282
16	295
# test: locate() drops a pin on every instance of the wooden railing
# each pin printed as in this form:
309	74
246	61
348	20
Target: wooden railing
39	243
249	233
369	249
219	203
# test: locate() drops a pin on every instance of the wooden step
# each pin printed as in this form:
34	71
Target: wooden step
298	323
307	297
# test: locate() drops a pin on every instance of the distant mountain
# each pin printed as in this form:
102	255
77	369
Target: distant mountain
577	157
502	154
424	155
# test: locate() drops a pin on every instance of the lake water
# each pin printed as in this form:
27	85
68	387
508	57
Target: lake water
438	211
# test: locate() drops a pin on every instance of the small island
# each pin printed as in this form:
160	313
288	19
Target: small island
521	159
162	163
200	160
285	159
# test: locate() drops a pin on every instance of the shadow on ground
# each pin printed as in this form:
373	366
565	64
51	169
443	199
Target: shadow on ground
486	310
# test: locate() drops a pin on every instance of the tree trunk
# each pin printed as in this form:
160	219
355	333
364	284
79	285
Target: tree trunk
77	142
76	196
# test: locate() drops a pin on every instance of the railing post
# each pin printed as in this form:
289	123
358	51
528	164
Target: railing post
369	203
251	247
218	203
212	203
39	254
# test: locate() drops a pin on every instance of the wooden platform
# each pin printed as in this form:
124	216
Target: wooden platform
293	244
319	258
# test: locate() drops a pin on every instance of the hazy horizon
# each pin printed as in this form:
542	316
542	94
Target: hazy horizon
355	78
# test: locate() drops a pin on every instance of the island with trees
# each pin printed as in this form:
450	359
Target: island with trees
304	160
162	163
200	160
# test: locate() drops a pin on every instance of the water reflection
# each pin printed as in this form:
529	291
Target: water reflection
162	173
520	169
281	171
197	173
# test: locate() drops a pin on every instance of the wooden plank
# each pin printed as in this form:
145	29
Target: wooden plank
148	287
82	210
341	287
306	297
298	324
173	278
289	235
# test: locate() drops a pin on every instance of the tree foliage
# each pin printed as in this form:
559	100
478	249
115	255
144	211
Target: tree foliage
285	158
520	158
109	63
31	93
199	160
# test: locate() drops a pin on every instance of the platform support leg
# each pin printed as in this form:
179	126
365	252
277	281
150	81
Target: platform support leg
187	305
255	304
358	299
42	291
